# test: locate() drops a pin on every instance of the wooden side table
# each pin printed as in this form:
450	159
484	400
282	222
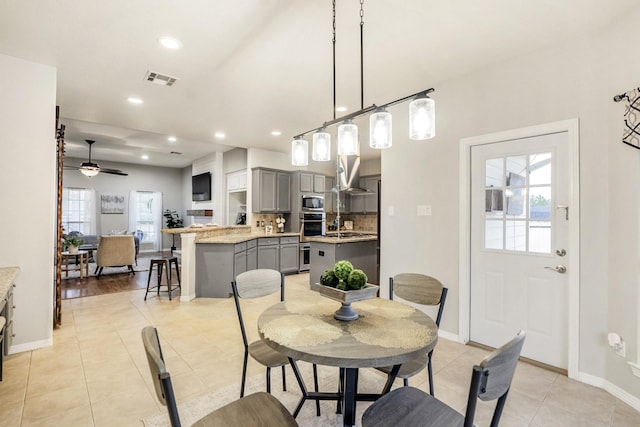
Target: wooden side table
83	263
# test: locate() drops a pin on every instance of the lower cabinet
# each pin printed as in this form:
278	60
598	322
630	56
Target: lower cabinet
217	264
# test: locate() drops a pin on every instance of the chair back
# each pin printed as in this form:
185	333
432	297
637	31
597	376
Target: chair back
159	375
491	379
115	251
255	284
420	289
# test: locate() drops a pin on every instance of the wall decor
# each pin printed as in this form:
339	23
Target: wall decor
111	204
631	131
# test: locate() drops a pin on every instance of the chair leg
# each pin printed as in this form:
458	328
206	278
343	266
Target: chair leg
160	266
284	380
244	372
268	380
340	390
100	272
96	272
405	382
430	370
315	385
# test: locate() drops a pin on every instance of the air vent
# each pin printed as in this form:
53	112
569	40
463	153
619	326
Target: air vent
160	79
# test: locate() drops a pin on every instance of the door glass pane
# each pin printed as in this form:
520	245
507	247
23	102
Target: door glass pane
540	169
540	236
516	202
494	172
515	236
516	171
540	203
493	203
493	234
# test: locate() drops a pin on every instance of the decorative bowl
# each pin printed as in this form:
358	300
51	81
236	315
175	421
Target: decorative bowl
347	313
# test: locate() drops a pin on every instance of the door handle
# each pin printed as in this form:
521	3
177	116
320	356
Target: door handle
559	268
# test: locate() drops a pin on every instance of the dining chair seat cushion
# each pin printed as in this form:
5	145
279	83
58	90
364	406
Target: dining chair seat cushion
410	368
258	409
414	407
264	354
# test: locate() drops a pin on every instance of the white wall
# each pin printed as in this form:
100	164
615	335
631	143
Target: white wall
213	164
574	79
140	178
28	194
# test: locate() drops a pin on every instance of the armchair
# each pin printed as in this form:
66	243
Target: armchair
115	251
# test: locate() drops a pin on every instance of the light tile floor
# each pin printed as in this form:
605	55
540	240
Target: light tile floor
96	373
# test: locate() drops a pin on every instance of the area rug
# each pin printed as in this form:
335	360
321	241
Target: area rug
369	381
143	265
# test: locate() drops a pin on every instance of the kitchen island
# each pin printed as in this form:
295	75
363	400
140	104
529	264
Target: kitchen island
358	248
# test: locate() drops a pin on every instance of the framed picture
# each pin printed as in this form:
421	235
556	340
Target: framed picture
111	204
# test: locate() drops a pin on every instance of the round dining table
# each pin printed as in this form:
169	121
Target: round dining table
386	333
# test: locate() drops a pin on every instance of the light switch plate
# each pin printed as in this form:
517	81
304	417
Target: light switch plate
424	210
391	210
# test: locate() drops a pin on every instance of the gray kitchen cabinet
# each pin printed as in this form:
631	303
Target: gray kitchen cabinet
269	253
240	258
371	200
289	254
271	191
252	258
215	269
311	183
329	196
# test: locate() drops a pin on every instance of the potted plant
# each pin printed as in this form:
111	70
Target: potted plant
72	243
173	219
346	284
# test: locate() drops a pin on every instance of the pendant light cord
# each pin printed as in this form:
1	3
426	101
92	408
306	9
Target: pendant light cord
361	54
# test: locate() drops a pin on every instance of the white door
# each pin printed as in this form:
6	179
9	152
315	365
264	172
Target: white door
519	245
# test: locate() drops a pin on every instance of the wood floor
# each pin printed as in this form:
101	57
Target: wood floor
107	283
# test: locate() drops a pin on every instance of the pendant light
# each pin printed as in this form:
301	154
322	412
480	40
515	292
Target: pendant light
380	129
422	117
321	151
347	139
299	152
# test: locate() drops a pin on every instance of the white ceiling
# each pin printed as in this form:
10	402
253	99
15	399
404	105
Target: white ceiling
248	67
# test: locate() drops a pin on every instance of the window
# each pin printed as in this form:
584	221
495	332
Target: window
78	210
145	216
518	203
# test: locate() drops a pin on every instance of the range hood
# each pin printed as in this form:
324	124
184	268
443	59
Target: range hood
349	175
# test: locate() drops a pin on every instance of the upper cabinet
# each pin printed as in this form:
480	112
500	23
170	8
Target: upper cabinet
311	183
366	202
271	191
237	181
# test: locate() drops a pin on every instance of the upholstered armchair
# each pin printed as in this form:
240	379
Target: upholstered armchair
115	251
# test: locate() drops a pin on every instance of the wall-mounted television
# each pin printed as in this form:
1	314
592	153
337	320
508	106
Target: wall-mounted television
201	187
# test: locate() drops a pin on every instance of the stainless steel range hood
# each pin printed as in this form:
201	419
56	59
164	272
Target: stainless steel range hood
349	175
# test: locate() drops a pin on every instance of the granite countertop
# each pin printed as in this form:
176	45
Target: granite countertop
345	237
7	276
239	238
209	228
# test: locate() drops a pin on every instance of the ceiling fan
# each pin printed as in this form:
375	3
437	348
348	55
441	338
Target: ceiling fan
90	169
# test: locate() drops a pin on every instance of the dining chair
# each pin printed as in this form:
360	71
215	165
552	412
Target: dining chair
424	290
256	409
256	284
409	406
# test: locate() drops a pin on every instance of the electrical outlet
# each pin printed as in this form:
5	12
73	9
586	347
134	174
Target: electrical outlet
621	349
391	210
424	210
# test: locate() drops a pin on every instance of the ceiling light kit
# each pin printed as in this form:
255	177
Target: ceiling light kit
134	100
170	42
421	118
91	169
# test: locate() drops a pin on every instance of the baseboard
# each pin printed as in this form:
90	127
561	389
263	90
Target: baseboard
187	298
607	386
34	345
448	336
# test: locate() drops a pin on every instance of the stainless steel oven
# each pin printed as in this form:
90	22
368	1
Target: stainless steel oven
312	203
313	224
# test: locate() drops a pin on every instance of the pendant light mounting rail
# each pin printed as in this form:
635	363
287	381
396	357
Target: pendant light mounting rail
364	111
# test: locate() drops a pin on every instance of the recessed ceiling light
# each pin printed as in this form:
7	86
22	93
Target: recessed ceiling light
276	133
341	109
144	157
170	42
172	139
219	135
135	100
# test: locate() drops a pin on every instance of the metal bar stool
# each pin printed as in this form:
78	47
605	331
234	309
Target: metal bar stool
160	263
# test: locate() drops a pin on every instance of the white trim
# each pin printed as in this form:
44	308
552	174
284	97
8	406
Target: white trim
616	391
635	368
28	346
448	336
570	126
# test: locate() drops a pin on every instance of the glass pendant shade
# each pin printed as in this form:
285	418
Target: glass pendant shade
299	152
321	151
90	170
422	118
380	129
347	139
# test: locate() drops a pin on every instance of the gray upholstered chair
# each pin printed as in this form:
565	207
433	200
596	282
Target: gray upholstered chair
409	406
256	284
424	290
115	251
257	409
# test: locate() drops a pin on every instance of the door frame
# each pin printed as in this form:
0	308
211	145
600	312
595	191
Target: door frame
570	126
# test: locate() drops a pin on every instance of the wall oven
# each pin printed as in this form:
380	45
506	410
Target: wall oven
312	203
313	224
305	256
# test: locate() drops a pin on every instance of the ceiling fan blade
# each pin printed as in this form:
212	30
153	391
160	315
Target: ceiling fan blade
113	171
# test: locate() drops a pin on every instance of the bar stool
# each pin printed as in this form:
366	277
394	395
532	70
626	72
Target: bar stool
2	322
160	263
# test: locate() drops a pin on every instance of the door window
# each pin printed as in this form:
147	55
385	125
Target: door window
518	192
